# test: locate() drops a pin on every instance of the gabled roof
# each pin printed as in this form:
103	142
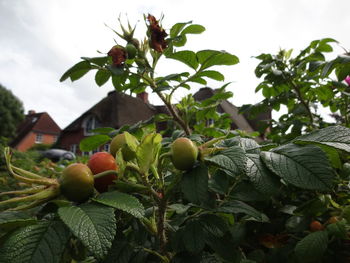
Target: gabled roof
116	110
36	122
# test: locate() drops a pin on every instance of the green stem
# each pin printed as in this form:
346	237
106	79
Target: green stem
26	173
32	190
48	193
162	258
105	173
305	104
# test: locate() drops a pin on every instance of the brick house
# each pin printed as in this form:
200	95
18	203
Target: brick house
118	109
36	128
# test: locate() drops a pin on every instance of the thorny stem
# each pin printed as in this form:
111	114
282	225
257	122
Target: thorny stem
305	104
161	225
169	106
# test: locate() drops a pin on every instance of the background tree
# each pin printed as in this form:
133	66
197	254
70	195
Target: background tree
11	113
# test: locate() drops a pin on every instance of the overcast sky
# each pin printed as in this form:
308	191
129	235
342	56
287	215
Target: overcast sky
41	39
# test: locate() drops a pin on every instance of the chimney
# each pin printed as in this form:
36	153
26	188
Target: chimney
143	96
30	112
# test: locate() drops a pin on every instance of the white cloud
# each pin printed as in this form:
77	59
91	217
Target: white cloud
41	39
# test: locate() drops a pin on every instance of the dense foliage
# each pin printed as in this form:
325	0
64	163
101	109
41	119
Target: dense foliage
11	113
197	191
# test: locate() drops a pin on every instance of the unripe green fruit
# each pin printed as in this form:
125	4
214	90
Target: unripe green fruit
118	142
131	51
77	182
184	153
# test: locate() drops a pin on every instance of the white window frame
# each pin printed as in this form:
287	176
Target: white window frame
39	138
73	148
94	124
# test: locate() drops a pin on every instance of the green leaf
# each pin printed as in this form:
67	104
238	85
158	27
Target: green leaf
209	58
305	167
122	201
120	252
77	71
176	29
15	219
312	247
238	207
131	141
232	160
187	57
101	77
193	237
100	61
211	74
148	151
94	225
337	137
213	225
194	184
44	242
193	29
103	130
263	180
93	142
198	80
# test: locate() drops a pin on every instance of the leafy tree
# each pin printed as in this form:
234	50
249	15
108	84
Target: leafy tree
303	84
11	113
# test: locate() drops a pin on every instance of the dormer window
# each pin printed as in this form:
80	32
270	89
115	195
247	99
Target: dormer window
90	123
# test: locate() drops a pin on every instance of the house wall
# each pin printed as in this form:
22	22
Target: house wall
29	140
69	138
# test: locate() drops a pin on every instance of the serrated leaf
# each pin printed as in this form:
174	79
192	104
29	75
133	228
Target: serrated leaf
312	247
249	145
122	201
338	229
120	252
193	237
334	136
306	167
263	180
101	77
232	160
77	71
94	225
194	184
187	57
93	142
236	207
209	58
193	29
40	243
213	224
131	141
15	219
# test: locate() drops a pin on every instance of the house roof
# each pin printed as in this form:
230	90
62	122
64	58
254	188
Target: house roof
116	110
36	122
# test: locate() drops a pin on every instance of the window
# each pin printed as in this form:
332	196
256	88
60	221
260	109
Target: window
106	147
90	123
73	148
38	138
55	138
